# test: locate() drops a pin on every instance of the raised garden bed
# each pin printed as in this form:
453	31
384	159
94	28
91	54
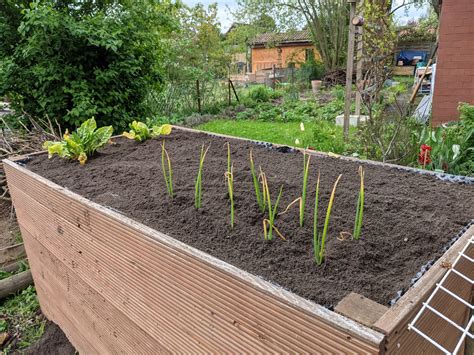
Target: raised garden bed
112	281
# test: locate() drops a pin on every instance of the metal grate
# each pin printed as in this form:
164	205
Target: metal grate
440	288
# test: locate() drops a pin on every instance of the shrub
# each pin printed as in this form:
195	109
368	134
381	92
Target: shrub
260	93
76	59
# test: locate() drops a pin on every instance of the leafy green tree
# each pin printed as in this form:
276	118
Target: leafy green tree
196	49
74	59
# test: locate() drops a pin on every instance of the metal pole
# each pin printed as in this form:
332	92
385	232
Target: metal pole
350	69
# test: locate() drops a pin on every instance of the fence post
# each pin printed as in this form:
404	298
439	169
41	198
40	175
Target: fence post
198	96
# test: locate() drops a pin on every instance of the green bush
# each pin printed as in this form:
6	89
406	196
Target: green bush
327	137
261	93
75	60
310	70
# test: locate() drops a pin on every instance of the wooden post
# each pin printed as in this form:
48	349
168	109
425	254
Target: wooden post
350	69
235	92
228	93
198	96
360	63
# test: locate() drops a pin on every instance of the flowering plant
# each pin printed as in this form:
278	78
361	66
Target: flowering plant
424	156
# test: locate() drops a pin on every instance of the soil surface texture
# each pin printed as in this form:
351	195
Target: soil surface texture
408	219
53	342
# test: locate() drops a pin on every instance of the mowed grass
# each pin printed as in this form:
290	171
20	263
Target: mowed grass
319	135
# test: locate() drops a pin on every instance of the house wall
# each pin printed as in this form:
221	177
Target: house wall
455	65
265	58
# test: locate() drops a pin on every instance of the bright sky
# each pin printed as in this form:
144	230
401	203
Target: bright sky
225	18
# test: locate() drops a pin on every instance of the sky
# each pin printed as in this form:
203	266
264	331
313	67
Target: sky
225	18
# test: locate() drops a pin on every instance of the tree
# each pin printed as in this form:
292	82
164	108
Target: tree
74	59
197	48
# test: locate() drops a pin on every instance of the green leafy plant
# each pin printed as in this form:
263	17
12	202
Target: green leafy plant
260	200
229	175
141	132
319	238
167	170
269	223
306	159
82	143
198	184
360	206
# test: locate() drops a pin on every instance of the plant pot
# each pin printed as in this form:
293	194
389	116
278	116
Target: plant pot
316	86
115	285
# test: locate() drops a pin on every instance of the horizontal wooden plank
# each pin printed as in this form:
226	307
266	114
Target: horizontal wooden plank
11	254
216	308
360	309
61	288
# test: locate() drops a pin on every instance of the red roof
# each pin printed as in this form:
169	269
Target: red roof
282	38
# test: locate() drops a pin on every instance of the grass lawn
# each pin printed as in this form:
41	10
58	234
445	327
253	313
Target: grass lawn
320	135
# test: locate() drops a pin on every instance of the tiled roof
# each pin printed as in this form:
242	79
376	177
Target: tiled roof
288	37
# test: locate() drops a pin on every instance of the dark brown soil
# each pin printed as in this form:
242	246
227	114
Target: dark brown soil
53	342
408	217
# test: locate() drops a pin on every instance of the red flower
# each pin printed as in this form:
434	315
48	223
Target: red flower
424	156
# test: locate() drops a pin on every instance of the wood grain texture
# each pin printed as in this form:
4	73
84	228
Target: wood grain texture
114	285
361	309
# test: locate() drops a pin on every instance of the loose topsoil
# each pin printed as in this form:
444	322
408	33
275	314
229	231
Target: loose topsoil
408	218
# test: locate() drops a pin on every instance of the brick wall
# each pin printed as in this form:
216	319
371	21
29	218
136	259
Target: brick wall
455	68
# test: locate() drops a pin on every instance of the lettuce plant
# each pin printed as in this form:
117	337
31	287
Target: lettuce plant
167	170
141	132
360	206
80	144
319	239
198	184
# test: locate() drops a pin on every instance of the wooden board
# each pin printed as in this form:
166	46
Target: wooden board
361	309
115	285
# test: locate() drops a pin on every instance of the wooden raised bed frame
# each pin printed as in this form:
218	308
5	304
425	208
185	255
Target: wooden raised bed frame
115	285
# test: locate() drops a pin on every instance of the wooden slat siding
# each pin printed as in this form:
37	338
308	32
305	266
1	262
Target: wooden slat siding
68	290
70	240
285	322
395	322
50	309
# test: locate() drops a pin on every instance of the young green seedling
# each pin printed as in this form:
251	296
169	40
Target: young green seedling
256	185
306	159
360	206
167	170
229	175
198	184
269	224
319	239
